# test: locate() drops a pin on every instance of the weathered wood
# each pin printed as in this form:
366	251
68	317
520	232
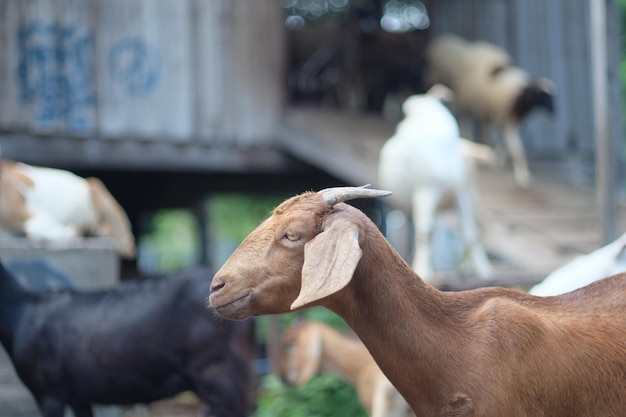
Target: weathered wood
239	70
144	68
151	69
605	159
9	88
139	154
209	41
54	69
346	144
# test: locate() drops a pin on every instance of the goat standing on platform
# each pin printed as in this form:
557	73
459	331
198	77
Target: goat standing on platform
52	204
490	88
422	163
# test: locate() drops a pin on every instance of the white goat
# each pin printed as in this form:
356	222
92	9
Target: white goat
583	270
422	163
480	353
310	347
54	204
489	87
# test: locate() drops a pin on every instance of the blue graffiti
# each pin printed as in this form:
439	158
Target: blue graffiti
134	66
55	74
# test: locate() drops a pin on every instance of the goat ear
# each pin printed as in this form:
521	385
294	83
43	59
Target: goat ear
329	262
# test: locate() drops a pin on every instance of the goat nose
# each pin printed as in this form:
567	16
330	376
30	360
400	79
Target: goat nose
216	285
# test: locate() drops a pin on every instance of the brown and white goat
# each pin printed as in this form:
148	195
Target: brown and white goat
311	347
481	353
53	204
490	88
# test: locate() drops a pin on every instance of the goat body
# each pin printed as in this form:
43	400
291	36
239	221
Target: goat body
53	204
311	347
488	86
422	163
142	341
480	353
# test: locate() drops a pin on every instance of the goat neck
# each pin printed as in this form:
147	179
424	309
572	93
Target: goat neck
383	285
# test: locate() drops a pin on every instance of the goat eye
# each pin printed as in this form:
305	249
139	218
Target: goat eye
292	236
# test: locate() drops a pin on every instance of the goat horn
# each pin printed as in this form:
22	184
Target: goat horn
336	195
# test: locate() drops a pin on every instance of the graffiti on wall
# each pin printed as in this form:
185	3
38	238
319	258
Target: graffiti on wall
134	66
55	74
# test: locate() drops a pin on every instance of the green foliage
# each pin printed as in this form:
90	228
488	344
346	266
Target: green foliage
236	215
174	240
320	314
325	316
323	396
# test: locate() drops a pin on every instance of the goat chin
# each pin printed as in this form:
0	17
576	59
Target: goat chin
234	309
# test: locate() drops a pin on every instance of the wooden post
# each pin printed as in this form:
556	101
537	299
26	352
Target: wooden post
273	342
605	159
201	211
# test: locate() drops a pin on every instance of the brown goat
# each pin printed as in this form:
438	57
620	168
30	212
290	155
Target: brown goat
481	353
310	347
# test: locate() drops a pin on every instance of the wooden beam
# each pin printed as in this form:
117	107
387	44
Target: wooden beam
605	159
137	154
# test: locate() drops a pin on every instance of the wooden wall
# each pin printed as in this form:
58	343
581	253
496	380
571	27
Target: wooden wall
548	39
161	70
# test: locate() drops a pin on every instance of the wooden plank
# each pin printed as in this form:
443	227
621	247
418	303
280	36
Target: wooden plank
255	70
490	22
605	159
530	51
556	138
29	76
144	80
9	93
138	154
452	16
210	53
345	144
48	70
577	54
75	18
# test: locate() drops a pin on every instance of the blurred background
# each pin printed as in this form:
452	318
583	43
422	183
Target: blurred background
200	116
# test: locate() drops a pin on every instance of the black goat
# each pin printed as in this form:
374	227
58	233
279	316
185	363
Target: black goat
139	342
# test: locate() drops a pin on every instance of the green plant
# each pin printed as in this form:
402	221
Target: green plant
174	240
236	215
323	396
